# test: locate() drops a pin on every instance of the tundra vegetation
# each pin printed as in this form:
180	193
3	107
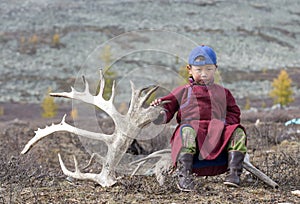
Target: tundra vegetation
36	177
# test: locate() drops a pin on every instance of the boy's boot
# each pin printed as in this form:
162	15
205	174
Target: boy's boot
184	170
235	165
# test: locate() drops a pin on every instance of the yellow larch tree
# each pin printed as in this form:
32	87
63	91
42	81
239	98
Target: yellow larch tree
49	107
55	40
110	76
217	77
74	113
183	72
282	92
247	104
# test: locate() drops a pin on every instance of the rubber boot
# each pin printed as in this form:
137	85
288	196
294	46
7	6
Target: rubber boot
235	165
184	168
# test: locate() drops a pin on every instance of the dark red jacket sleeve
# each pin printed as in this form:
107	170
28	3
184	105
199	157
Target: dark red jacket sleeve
173	106
233	112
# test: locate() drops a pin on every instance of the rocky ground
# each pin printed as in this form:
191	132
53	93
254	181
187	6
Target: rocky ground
257	36
253	44
36	177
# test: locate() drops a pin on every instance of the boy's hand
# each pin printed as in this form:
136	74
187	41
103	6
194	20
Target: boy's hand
156	102
162	115
161	118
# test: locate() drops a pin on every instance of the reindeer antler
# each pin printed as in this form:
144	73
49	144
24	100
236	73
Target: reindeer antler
252	169
127	128
98	100
164	164
63	126
103	178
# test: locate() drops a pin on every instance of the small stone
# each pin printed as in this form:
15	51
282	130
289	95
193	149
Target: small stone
296	192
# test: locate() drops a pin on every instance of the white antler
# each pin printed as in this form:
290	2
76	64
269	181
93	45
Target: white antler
165	163
252	169
63	126
161	167
127	127
104	179
98	100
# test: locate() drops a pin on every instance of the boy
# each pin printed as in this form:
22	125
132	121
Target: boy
208	129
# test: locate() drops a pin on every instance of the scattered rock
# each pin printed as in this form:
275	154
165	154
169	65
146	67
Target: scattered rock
296	192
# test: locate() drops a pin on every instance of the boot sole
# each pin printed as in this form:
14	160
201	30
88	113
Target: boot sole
231	184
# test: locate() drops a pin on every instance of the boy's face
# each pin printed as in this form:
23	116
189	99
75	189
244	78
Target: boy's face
202	74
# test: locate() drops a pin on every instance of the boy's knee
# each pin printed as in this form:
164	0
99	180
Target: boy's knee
188	136
239	134
237	141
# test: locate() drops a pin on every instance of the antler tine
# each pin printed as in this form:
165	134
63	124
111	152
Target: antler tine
93	156
102	180
152	155
102	86
84	96
77	174
148	94
41	133
138	167
131	106
63	126
102	83
113	92
132	88
140	91
76	164
86	85
158	154
146	159
252	169
142	161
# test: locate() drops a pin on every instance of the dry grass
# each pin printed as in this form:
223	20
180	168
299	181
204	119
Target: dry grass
36	177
